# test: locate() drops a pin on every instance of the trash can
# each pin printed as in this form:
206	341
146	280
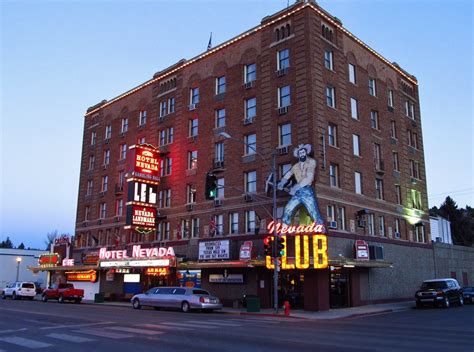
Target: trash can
253	304
99	298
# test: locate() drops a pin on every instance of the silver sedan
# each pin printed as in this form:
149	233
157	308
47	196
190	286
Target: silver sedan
184	298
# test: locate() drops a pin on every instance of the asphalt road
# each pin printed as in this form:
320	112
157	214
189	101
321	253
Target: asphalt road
32	325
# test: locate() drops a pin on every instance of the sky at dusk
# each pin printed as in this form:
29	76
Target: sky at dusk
60	57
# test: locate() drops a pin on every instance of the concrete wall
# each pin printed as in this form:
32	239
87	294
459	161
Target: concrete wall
8	266
454	259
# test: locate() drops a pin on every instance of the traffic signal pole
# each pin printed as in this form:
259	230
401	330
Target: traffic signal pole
276	262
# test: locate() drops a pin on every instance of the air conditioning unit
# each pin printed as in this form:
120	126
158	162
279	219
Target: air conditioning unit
192	106
116	218
218	164
99	221
282	110
249	85
104	166
376	252
361	223
248	120
192	138
282	150
189	207
102	194
332	224
397	234
217	202
282	71
248	197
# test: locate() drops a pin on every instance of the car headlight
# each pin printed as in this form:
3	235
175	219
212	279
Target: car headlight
418	294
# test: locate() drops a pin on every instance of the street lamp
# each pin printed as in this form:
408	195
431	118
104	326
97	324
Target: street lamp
276	263
18	261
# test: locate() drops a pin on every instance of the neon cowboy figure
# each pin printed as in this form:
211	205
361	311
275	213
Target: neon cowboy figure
302	191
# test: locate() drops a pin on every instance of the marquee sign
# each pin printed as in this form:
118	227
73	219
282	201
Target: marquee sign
146	162
142	192
49	259
157	271
141	216
137	252
214	250
90	276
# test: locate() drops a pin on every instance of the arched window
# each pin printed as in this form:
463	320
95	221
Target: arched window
288	29
278	34
283	33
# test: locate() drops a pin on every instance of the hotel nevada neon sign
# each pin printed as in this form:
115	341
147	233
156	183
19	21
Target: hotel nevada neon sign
137	252
303	236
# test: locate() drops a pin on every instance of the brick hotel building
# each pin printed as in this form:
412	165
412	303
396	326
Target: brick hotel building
297	77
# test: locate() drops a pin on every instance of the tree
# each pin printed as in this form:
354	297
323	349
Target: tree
7	243
21	246
50	237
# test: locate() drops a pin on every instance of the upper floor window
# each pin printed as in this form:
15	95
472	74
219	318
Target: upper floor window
87	213
283	32
328	60
142	118
93	137
220	187
190	194
91	162
219	223
124	125
166	136
250	144
193	127
371	224
194	96
410	109
414	169
250	108
119	207
395	161
381	225
330	97
284	96
220	85
108	132
121	178
398	194
90	185
354	109
283	59
379	188
416	199
220	118
358	182
141	140
233	223
332	135
105	184
102	210
195	227
163	108
250	221
356	144
390	101
250	73
283	169
251	182
284	134
171	104
393	129
123	151
219	151
327	32
192	159
106	157
166	166
334	175
352	73
372	87
374	119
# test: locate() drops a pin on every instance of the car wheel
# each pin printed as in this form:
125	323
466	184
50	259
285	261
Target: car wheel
136	304
446	303
78	300
185	307
31	298
44	298
3	295
461	301
14	295
61	299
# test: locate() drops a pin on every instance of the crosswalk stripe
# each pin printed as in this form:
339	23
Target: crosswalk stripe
258	320
195	326
69	338
103	333
71	326
214	322
21	341
134	330
164	327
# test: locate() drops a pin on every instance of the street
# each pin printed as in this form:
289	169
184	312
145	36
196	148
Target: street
27	325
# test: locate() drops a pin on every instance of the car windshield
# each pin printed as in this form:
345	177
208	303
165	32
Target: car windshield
28	285
200	292
150	291
433	285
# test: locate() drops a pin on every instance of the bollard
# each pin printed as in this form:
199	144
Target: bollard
286	306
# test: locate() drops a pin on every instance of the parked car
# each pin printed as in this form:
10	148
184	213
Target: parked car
18	290
63	292
184	298
439	292
468	294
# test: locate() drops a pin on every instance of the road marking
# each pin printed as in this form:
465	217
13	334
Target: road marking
158	326
12	330
103	333
195	326
214	322
134	330
21	341
74	325
69	338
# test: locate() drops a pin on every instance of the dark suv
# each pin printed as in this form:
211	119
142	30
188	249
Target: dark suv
442	292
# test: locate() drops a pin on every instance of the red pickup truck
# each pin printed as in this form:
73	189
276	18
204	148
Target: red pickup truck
63	292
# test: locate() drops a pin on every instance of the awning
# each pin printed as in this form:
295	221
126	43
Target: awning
354	263
221	264
63	268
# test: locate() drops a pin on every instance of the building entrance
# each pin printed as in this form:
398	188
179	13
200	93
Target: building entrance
291	288
339	289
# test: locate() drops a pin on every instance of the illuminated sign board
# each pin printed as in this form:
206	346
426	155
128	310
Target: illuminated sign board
137	252
146	162
90	258
157	271
49	259
135	263
142	192
68	262
294	229
144	217
361	250
90	275
214	250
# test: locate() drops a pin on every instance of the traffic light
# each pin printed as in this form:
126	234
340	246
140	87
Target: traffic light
268	245
211	186
281	246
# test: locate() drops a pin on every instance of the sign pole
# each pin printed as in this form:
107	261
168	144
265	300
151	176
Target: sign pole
275	248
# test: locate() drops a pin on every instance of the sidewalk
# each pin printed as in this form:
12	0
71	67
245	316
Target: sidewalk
342	313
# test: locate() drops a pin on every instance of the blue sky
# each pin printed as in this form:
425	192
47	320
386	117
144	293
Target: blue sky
60	57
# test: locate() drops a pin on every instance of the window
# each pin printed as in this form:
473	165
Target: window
393	129
378	156
284	169
166	165
219	151
163	108
190	194
381	226
374	119
398	194
412	139
326	32
285	134
251	182
124	125
379	189
372	87
119	207
283	57
284	96
356	144
328	60
414	169
410	109
233	223
93	137
397	228
142	118
371	224
89	187
166	136
220	85
141	140
354	109
121	178
341	218
87	213
395	161
220	118
358	182
108	131
330	97
192	159
194	96
331	213
185	228
250	144
334	175
416	199
250	108
166	196
390	98
250	73
102	210
105	183
123	151
193	127
219	219
220	188
250	221
171	105
91	162
106	157
419	233
332	135
352	74
195	227
167	231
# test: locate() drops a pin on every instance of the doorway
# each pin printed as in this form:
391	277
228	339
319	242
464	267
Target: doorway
292	288
339	289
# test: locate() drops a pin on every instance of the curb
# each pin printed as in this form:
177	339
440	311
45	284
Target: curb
368	314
